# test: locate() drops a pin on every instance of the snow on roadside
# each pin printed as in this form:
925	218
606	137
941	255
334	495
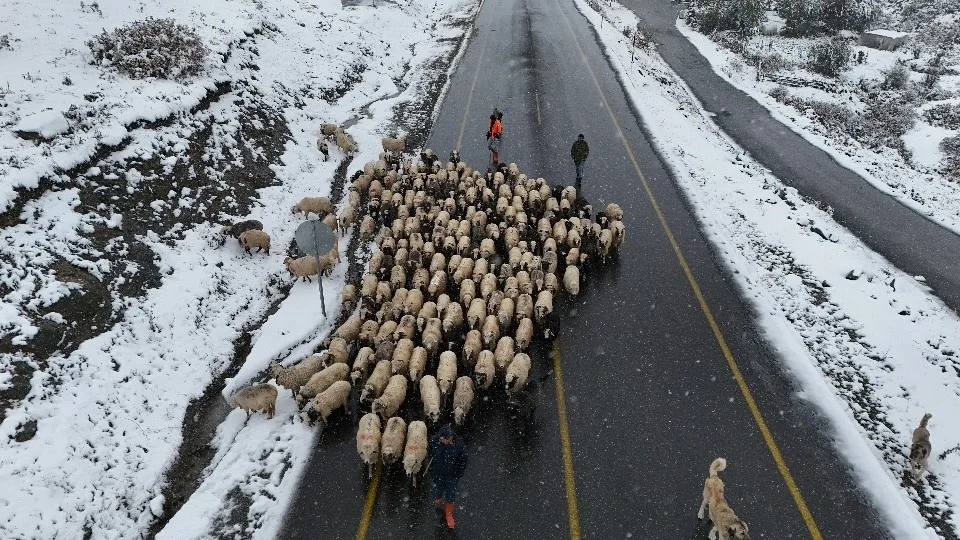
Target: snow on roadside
920	187
868	344
109	414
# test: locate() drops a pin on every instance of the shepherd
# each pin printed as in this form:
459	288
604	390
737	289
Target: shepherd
448	459
494	134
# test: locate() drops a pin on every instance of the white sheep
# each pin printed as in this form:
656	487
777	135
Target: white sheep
350	329
297	375
418	363
331	399
485	370
321	381
472	346
400	363
614	212
392	397
524	307
476	313
255	239
345	142
463	395
320	206
362	365
524	334
430	396
432	336
447	371
544	306
518	372
490	331
377	382
503	354
415	451
368	441
392	441
452	318
571	280
256	397
394	145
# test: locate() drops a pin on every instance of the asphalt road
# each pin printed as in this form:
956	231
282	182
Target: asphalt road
909	240
649	394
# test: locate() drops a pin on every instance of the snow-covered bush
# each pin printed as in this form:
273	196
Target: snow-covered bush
888	116
848	14
780	93
830	57
896	78
951	156
740	16
770	63
150	48
945	115
801	17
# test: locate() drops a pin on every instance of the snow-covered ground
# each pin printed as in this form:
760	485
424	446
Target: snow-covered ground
86	450
917	183
868	344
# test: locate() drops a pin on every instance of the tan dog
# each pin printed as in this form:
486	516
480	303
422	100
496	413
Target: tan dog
920	447
724	520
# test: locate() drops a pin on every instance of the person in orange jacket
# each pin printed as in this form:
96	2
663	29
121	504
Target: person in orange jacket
494	134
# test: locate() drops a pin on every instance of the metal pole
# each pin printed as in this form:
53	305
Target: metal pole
323	304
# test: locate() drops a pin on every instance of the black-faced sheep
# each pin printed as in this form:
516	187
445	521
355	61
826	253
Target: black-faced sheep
335	397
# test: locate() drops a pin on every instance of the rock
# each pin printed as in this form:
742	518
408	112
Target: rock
43	125
854	275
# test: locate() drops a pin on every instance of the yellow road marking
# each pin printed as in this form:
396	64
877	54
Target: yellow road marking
708	313
572	511
473	85
536	96
368	506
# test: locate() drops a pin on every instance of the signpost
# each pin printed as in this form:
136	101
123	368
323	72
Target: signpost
314	238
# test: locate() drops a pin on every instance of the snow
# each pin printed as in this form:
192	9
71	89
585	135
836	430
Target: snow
887	33
109	414
918	185
873	352
47	124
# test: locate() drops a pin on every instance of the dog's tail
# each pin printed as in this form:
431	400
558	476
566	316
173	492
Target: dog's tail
718	465
925	419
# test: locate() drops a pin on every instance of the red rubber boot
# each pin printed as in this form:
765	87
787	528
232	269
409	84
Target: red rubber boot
450	521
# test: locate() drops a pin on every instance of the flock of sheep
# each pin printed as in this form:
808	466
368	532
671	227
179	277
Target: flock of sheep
465	266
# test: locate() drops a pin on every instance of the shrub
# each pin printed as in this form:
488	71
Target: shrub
772	63
740	16
887	118
780	93
150	48
951	157
896	78
802	17
830	58
847	14
730	41
943	115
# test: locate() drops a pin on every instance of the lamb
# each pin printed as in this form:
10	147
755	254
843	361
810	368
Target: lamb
400	363
430	396
320	206
392	397
485	370
524	334
394	145
368	441
255	239
362	365
256	397
447	371
320	382
323	405
377	382
418	363
415	452
518	372
391	443
571	280
297	375
463	396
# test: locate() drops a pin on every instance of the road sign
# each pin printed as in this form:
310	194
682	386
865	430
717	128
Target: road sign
315	238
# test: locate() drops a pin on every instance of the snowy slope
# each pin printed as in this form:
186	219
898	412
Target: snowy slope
108	414
872	348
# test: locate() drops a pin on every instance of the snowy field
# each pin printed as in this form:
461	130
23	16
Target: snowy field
117	307
917	182
868	344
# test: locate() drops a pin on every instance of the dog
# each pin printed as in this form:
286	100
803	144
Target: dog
920	448
724	520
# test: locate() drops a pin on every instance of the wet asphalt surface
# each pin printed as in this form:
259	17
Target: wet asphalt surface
651	400
909	240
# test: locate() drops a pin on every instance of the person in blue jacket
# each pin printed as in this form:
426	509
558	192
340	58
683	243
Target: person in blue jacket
448	454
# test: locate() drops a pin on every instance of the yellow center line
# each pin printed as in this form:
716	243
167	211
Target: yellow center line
473	85
708	313
368	506
572	511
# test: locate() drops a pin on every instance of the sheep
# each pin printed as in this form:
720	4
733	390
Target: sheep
504	352
406	328
430	396
392	440
368	227
297	375
468	291
362	365
415	451
614	212
480	268
505	312
524	334
571	280
573	257
348	218
320	382
392	397
464	271
331	221
544	306
239	228
349	298
421	280
452	318
605	242
432	336
550	283
328	130
485	370
490	331
438	283
255	239
413	302
619	232
550	260
350	329
377	382
368	332
463	395
323	405
321	206
472	346
256	397
398	277
476	313
511	288
487	285
447	371
368	441
418	363
337	353
301	268
400	363
345	142
518	372
394	145
428	311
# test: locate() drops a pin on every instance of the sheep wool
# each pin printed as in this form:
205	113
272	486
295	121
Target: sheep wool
518	372
415	451
447	371
485	370
430	396
255	239
256	397
297	375
331	399
391	443
321	381
571	280
392	397
368	441
463	395
377	382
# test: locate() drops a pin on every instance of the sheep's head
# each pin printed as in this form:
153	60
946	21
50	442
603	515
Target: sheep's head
287	261
275	369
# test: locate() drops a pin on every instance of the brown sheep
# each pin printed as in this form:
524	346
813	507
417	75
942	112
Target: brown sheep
257	397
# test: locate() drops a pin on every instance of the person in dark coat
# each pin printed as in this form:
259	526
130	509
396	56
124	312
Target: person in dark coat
579	152
448	462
